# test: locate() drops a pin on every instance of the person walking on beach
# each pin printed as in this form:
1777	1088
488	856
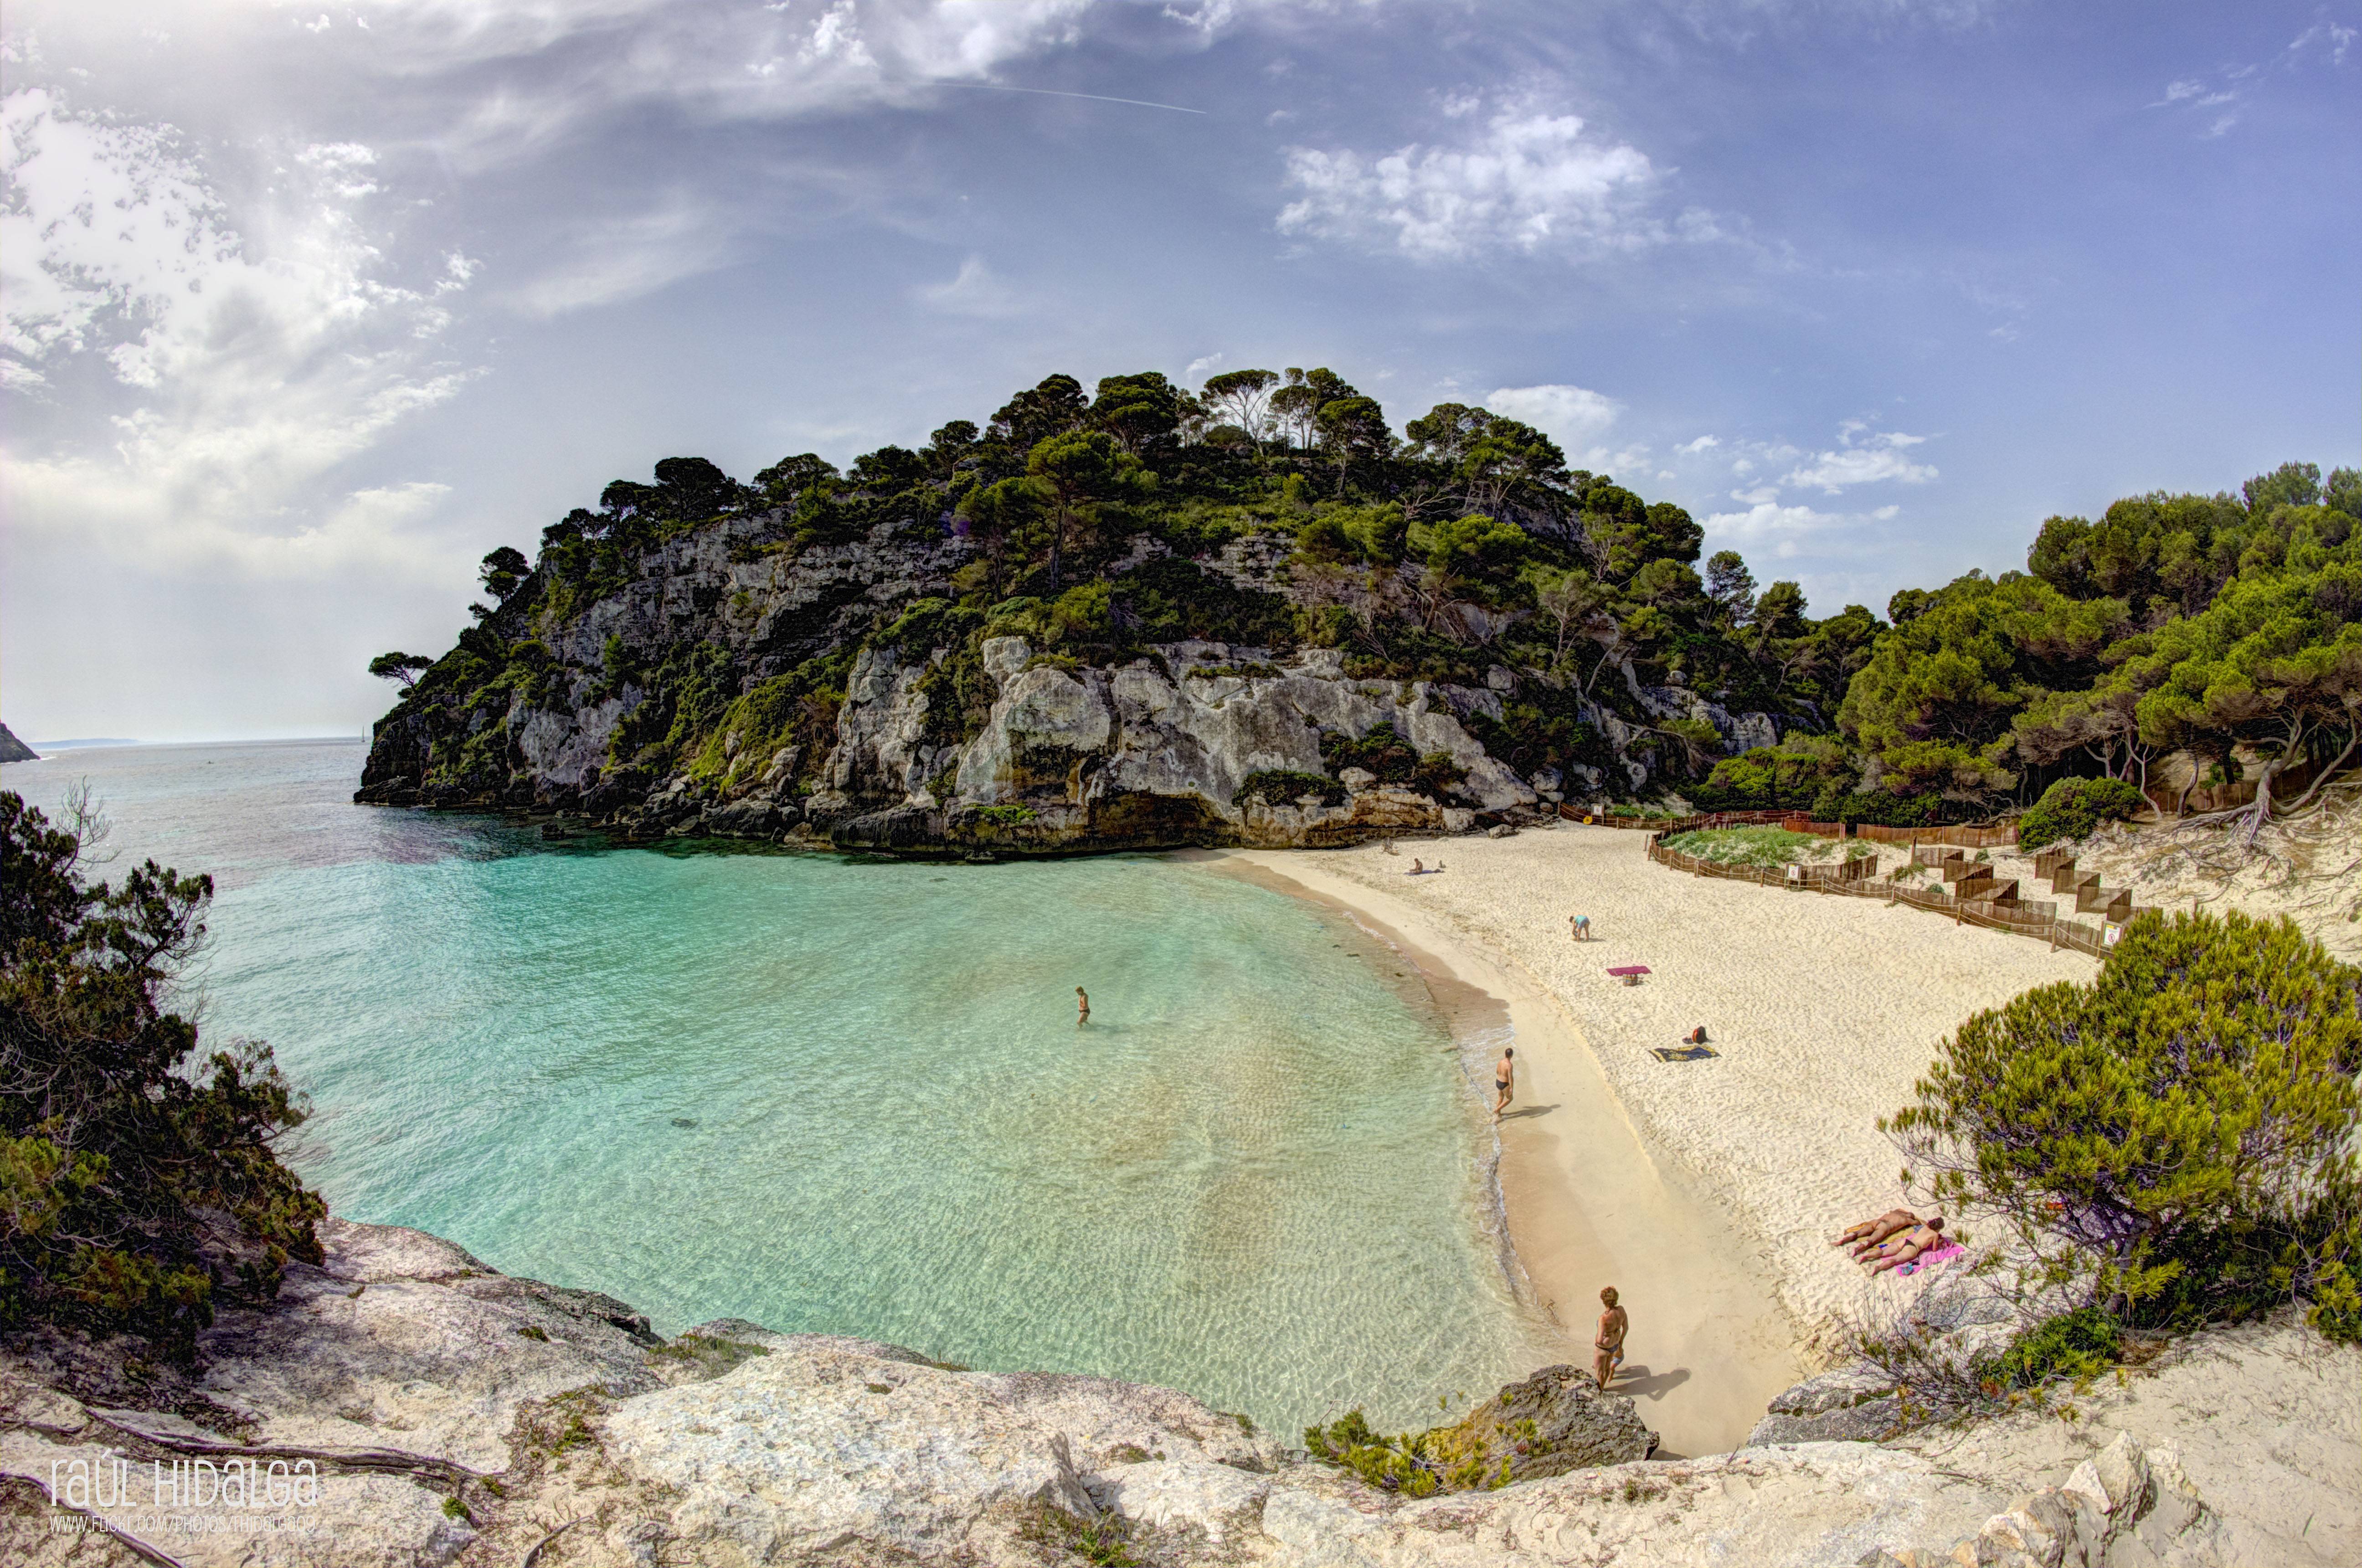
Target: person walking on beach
1505	1081
1608	1348
1083	1006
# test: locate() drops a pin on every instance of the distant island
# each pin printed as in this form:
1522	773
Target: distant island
83	742
14	750
1252	614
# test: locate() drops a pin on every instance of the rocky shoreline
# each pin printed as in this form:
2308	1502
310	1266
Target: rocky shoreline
455	1415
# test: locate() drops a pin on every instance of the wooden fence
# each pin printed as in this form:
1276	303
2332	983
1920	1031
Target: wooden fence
1845	881
2002	838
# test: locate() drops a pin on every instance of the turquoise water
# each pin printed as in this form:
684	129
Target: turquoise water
847	1096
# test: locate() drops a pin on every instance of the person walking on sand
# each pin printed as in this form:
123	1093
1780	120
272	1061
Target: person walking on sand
1505	1081
1608	1348
1082	1006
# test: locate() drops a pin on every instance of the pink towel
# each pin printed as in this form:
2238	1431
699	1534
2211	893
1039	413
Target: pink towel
1933	1255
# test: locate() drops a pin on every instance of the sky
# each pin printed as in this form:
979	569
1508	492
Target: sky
309	305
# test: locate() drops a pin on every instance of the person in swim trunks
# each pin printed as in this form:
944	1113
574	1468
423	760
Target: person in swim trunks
1607	1349
1083	1006
1505	1081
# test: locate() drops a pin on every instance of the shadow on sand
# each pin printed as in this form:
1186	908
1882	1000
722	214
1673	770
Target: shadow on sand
1637	1381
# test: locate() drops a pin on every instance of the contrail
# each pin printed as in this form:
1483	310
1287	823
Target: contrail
1053	93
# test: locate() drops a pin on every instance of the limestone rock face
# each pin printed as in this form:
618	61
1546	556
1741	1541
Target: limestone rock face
881	732
459	1414
1848	1405
1555	1421
1157	750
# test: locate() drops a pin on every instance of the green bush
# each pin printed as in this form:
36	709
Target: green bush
2077	1344
2176	1140
1284	787
1765	778
1386	754
120	1150
1876	807
2073	807
1764	847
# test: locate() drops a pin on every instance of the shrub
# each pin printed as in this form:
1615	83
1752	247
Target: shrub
1877	807
1765	778
2073	807
119	1151
1757	847
2077	1344
1005	816
2175	1140
1384	752
1284	787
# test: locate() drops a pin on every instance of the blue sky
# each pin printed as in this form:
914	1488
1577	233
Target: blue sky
308	305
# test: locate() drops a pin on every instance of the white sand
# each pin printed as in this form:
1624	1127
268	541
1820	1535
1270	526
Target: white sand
2267	1420
1825	1011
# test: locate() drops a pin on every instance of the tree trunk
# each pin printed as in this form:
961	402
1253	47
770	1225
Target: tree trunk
2263	807
2322	776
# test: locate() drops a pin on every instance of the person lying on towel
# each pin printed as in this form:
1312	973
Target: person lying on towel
1905	1249
1871	1232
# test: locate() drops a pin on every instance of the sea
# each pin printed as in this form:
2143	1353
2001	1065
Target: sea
850	1095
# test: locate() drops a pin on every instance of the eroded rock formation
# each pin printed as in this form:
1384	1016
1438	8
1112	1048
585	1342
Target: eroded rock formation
455	1415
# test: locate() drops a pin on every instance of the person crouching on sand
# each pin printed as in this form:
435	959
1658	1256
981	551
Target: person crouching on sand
1505	1081
1609	1347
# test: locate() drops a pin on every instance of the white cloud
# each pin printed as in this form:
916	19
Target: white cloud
1703	443
1767	525
1203	363
1571	416
1768	520
976	290
1861	459
248	359
620	258
1525	181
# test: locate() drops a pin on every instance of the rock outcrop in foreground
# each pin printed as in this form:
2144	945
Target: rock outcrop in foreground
455	1415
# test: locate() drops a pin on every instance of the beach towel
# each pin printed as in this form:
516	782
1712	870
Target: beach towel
1933	1256
1683	1052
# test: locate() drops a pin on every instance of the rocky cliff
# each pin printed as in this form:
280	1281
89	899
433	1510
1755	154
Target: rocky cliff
404	1404
832	694
14	750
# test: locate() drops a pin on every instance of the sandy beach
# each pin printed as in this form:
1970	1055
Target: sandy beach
1704	1190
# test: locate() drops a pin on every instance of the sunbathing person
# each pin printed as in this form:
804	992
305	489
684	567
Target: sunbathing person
1907	1248
1869	1233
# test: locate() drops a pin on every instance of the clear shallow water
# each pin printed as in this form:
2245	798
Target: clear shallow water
849	1097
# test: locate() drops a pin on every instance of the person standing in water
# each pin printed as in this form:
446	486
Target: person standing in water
1505	1081
1608	1348
1082	1006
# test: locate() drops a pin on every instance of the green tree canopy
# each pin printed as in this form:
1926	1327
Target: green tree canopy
1938	694
116	1143
2174	1138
